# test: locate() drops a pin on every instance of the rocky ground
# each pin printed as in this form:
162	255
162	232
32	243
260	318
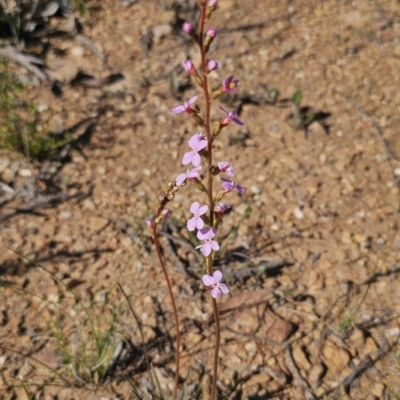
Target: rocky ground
311	252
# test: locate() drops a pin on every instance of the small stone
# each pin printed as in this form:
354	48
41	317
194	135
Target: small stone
77	51
194	338
65	215
396	50
258	379
96	223
370	344
325	264
271	361
4	163
88	204
316	374
277	329
378	390
336	356
255	189
346	237
315	281
357	338
161	31
360	238
300	358
298	213
8	175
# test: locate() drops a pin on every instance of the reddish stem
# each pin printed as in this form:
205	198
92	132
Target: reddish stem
209	260
171	295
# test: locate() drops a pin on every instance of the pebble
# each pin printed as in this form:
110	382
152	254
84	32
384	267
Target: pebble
335	356
300	358
298	213
277	329
4	163
316	374
255	189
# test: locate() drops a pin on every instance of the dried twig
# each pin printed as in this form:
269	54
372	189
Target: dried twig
45	203
25	60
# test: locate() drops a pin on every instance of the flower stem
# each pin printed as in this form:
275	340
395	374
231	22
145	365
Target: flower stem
178	336
209	260
207	113
216	350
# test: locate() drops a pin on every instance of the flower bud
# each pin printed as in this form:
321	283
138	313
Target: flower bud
189	66
210	35
219	196
212	3
212	65
188	28
216	93
212	32
149	223
201	187
198	119
165	212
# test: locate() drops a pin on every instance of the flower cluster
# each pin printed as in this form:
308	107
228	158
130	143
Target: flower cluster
205	218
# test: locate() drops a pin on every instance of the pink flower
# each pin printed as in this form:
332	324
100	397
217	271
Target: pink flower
197	143
230	85
185	106
229	185
188	28
224	166
212	32
230	116
214	284
221	207
206	235
196	222
212	65
189	66
190	174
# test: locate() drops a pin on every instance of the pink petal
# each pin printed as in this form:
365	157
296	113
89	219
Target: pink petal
194	208
180	179
178	110
217	275
194	141
199	223
192	100
202	210
206	249
187	158
208	280
224	288
201	235
216	292
191	224
196	159
214	245
201	145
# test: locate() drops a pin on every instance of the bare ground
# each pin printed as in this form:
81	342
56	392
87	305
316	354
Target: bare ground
320	216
